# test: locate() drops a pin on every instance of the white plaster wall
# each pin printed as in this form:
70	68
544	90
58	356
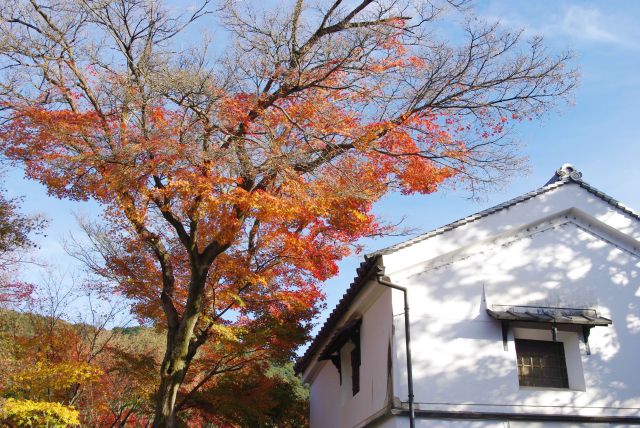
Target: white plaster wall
566	247
322	395
458	357
333	405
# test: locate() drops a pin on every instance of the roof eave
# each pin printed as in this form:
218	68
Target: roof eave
365	271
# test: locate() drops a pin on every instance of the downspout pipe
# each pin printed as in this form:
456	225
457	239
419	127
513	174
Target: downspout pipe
382	280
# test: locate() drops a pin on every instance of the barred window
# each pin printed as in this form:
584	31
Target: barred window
541	363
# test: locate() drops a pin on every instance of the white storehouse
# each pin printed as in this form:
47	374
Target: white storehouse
523	315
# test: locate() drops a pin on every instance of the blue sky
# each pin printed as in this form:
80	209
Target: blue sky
600	134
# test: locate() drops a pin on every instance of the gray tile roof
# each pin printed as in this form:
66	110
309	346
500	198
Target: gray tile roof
367	267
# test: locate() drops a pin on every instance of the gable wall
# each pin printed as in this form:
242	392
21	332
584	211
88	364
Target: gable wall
458	357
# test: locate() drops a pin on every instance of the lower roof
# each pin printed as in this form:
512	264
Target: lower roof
549	315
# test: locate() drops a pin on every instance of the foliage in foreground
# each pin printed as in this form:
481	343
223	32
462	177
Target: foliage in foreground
57	374
27	413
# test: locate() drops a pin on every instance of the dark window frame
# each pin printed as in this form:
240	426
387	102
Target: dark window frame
541	364
350	332
355	369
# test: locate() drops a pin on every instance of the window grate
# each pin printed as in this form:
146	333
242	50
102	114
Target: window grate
541	363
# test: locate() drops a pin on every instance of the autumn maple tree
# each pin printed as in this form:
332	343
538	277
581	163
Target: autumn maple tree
235	173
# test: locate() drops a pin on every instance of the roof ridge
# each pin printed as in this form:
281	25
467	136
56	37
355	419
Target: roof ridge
473	217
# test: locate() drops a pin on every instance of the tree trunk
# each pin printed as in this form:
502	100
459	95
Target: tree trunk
170	380
178	355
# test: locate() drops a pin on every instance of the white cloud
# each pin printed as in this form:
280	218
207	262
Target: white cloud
581	23
586	23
